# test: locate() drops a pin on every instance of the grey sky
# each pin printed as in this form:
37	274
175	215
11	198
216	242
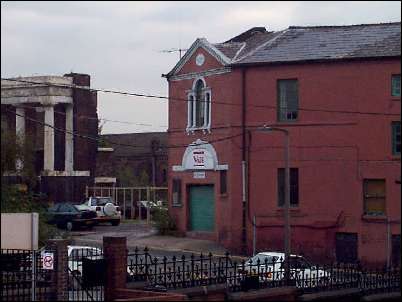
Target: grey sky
119	43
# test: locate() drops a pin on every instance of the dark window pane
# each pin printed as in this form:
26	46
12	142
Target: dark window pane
200	104
294	187
396	85
396	138
176	191
288	100
190	111
223	178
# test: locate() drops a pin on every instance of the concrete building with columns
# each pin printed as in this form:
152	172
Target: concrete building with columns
57	116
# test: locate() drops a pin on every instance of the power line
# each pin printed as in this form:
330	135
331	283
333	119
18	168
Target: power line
212	141
119	144
94	118
216	127
186	100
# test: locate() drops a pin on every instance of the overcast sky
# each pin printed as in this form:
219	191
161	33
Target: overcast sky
119	43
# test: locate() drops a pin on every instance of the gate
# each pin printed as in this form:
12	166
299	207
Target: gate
86	274
24	278
129	198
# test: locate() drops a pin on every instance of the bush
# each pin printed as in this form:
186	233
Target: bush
13	200
163	221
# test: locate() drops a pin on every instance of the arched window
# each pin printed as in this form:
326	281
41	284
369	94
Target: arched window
199	106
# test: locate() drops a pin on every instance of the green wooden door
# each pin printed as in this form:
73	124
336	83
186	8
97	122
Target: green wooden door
202	208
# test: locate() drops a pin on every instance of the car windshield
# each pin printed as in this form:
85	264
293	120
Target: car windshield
262	258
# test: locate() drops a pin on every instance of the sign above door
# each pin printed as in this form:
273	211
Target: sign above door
200	155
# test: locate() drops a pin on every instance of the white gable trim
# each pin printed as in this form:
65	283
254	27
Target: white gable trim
208	47
270	41
204	74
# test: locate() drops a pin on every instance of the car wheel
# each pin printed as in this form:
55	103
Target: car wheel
69	226
116	222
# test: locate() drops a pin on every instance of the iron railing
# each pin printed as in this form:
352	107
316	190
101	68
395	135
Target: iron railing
82	287
23	276
201	270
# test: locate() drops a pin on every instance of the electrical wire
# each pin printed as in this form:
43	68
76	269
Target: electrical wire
120	144
186	100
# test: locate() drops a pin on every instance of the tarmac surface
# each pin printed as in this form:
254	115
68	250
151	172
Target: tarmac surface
141	235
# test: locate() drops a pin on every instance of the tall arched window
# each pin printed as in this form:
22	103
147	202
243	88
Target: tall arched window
199	106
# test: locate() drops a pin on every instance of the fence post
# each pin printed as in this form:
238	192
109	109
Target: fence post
148	205
115	253
59	275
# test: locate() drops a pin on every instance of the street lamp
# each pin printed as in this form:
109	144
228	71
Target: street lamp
266	128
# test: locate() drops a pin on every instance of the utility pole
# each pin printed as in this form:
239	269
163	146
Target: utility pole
286	216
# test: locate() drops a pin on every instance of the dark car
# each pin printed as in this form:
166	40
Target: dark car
69	216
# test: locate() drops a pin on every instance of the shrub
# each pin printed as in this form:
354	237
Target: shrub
163	221
13	200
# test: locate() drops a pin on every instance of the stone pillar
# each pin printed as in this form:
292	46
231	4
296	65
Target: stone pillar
48	160
59	274
69	158
20	135
115	253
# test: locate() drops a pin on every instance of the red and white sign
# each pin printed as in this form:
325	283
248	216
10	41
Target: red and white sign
47	260
199	155
199	158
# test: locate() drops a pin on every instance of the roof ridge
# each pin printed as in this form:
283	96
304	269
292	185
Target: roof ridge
350	25
269	41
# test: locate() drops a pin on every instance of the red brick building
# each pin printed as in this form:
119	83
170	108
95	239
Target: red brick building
336	89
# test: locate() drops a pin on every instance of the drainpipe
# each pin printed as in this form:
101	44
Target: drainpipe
244	166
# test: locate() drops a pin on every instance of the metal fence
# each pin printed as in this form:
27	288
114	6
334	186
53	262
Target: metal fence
86	274
23	278
128	198
182	272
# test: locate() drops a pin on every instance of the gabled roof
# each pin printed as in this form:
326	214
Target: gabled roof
330	42
303	43
210	48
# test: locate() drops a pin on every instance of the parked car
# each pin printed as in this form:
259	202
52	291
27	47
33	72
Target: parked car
105	209
76	253
270	266
70	216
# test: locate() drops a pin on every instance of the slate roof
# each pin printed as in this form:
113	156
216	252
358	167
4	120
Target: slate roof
298	44
328	43
141	142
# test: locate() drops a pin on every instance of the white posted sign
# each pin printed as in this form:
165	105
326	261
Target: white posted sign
47	260
19	231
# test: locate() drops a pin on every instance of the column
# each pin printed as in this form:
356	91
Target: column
59	275
115	253
20	136
48	161
69	156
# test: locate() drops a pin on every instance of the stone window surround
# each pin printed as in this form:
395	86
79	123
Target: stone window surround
191	108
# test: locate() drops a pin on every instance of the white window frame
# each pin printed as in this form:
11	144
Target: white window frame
191	108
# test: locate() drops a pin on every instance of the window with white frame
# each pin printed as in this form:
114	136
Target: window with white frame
199	106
